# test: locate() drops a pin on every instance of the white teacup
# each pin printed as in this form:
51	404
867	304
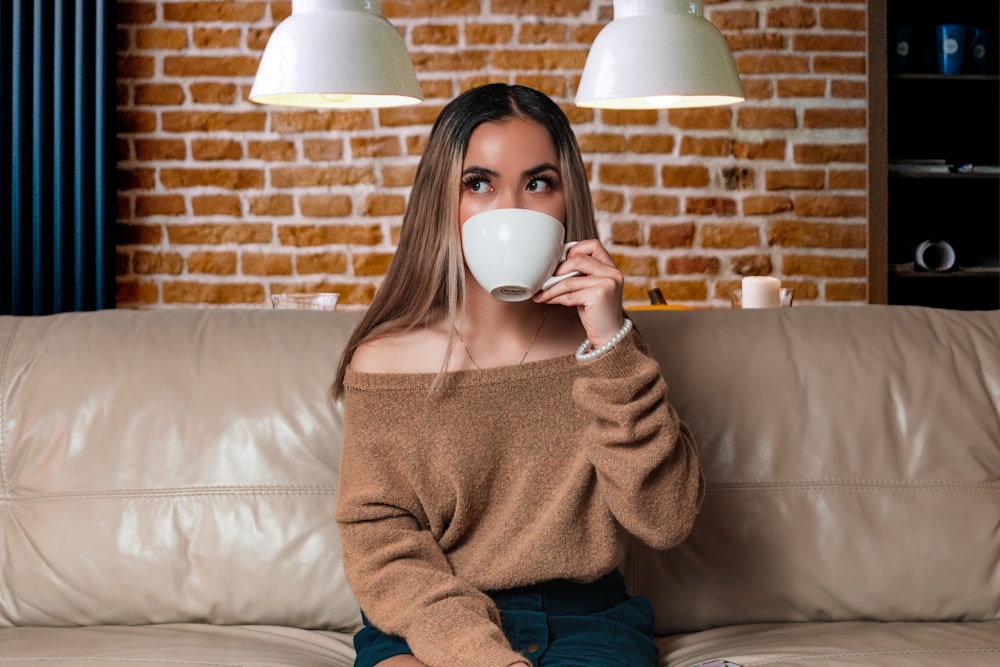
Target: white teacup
513	252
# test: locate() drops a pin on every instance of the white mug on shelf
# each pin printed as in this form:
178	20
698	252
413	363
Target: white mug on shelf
934	256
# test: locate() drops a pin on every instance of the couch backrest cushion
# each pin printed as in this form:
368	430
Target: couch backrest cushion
853	463
171	466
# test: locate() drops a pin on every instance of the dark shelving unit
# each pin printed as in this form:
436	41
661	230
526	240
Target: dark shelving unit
934	157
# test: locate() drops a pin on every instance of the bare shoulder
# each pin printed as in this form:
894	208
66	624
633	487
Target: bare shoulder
416	351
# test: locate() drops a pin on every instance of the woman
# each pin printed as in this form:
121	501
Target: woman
490	468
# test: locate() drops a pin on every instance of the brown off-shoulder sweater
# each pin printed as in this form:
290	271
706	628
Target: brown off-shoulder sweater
505	477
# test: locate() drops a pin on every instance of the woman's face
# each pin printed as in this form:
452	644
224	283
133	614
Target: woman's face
512	164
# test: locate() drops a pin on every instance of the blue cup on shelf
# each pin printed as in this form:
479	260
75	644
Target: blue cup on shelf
978	51
952	40
903	48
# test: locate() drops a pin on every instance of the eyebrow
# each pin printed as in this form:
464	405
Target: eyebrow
545	166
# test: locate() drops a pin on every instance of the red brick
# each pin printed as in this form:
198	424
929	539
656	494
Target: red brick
204	11
830	206
230	179
321	262
801	87
823	266
832	18
212	293
529	7
224	66
325	205
425	8
383	204
707	147
679	235
216	205
216	149
159	94
217	263
690	176
796	234
216	38
637	265
834	118
772	64
839	65
827	153
314	235
661	205
800	179
300	177
845	291
148	205
768	149
435	33
214	233
150	263
729	235
651	143
626	233
840	88
765	117
212	93
827	42
709	206
627	174
734	19
766	205
266	264
617	117
272	205
488	33
712	118
604	142
157	150
791	17
553	86
692	264
683	290
543	33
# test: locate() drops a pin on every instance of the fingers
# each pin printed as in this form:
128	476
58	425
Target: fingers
596	293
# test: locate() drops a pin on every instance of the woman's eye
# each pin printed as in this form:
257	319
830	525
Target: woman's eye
540	185
477	185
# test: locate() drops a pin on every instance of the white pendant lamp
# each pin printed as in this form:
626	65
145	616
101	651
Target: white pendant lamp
335	54
659	54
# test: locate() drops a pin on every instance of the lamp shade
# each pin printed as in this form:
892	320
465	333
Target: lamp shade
335	54
659	54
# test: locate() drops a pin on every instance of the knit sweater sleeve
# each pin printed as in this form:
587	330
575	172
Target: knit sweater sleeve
645	457
397	570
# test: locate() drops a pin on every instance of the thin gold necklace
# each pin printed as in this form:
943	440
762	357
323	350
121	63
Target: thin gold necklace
524	356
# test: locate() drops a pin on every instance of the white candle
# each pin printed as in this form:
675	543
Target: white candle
761	292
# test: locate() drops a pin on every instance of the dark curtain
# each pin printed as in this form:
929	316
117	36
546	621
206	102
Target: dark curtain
57	66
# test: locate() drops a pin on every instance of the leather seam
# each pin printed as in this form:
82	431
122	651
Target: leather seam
152	661
852	654
173	494
845	485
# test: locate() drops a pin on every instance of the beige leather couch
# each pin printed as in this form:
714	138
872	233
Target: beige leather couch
168	483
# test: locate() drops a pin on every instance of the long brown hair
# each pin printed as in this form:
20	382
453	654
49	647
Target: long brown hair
426	278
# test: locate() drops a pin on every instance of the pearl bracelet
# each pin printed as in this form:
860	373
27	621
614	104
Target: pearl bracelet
586	351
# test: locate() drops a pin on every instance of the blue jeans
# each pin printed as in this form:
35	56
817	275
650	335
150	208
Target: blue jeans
556	624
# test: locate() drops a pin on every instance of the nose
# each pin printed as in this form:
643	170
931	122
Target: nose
510	198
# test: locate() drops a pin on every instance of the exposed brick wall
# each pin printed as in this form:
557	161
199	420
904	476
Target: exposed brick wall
222	202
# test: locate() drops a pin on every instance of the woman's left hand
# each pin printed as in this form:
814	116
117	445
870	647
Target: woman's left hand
596	292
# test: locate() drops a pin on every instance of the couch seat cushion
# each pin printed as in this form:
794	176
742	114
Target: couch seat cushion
845	643
175	644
